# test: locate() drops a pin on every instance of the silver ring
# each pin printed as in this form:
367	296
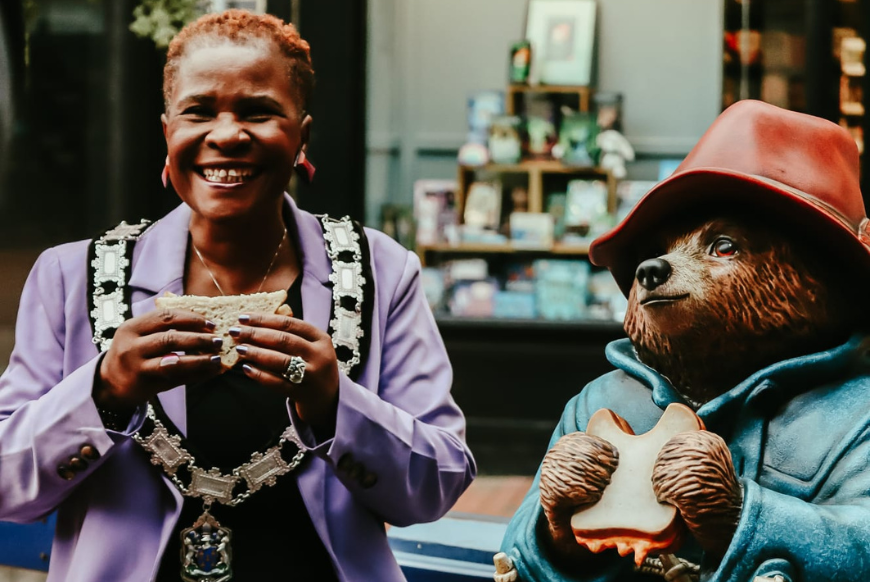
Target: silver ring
295	370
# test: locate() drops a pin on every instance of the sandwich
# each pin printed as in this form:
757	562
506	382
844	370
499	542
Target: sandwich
224	311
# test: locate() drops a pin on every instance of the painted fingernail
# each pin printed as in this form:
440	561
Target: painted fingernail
169	360
215	359
235	331
242	349
244	318
247	369
217	341
210	325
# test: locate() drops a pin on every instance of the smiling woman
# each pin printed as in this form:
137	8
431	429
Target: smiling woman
350	395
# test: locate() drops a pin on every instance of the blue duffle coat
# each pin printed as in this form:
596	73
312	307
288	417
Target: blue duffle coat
799	434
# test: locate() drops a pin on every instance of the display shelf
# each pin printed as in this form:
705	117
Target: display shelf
515	91
536	171
579	250
503	323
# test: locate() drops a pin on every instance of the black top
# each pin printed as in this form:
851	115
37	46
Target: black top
228	418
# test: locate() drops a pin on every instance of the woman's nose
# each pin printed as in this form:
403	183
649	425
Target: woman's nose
227	134
653	272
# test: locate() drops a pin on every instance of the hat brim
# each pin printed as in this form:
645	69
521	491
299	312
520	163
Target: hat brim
716	189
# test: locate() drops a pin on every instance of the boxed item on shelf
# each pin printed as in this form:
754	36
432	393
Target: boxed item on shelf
606	301
520	276
531	230
466	270
586	208
435	211
629	193
483	205
433	283
473	298
514	305
561	287
482	108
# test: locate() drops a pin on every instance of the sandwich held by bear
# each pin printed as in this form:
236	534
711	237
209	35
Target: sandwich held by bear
746	273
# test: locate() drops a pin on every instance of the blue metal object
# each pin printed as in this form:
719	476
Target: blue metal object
27	545
457	548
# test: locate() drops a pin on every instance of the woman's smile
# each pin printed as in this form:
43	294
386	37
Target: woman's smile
233	125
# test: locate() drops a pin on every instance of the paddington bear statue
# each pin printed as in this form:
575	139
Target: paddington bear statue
747	278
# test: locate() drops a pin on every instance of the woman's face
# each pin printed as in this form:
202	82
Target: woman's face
233	129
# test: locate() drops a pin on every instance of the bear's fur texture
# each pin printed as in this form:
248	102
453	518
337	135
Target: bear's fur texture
574	474
768	301
693	472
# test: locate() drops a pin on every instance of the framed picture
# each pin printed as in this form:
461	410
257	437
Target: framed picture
562	34
255	6
483	206
435	211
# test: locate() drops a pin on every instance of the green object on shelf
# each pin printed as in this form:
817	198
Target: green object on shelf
521	59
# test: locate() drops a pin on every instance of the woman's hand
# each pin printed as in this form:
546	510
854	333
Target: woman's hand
267	342
144	358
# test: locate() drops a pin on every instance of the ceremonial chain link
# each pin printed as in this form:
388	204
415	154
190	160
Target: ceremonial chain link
263	468
347	284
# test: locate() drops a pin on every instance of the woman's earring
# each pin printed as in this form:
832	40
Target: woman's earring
303	167
165	174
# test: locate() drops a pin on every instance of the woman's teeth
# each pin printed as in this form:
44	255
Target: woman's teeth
227	176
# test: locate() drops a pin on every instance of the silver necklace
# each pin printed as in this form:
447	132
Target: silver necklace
266	276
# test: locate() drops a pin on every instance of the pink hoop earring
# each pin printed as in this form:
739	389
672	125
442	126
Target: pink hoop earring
165	175
304	168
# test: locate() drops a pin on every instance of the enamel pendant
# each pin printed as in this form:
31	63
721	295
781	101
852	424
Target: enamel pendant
206	553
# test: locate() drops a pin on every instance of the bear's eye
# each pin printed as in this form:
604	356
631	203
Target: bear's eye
723	247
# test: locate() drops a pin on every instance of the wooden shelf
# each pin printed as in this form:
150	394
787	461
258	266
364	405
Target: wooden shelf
583	94
504	323
541	88
543	166
536	170
506	248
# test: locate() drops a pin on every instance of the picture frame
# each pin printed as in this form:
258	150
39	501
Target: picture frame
435	211
255	6
483	206
562	35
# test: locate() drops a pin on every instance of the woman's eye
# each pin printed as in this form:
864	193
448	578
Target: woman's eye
196	111
723	247
259	115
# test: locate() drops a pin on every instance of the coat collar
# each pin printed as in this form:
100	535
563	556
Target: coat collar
159	256
802	371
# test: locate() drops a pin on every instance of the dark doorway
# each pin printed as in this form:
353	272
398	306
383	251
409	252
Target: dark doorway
337	33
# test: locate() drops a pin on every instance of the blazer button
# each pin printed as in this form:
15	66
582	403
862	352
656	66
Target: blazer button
356	471
346	462
89	452
66	473
368	480
77	464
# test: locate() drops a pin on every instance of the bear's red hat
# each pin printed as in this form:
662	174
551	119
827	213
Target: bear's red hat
799	171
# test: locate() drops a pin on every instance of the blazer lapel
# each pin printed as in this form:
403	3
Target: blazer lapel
316	266
158	267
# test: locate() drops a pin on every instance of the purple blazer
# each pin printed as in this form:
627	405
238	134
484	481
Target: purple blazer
398	422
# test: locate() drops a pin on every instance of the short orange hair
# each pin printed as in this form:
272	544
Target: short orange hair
242	27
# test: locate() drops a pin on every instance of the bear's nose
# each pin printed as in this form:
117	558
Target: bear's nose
653	272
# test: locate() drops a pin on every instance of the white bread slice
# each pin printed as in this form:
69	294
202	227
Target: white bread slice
628	516
225	311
